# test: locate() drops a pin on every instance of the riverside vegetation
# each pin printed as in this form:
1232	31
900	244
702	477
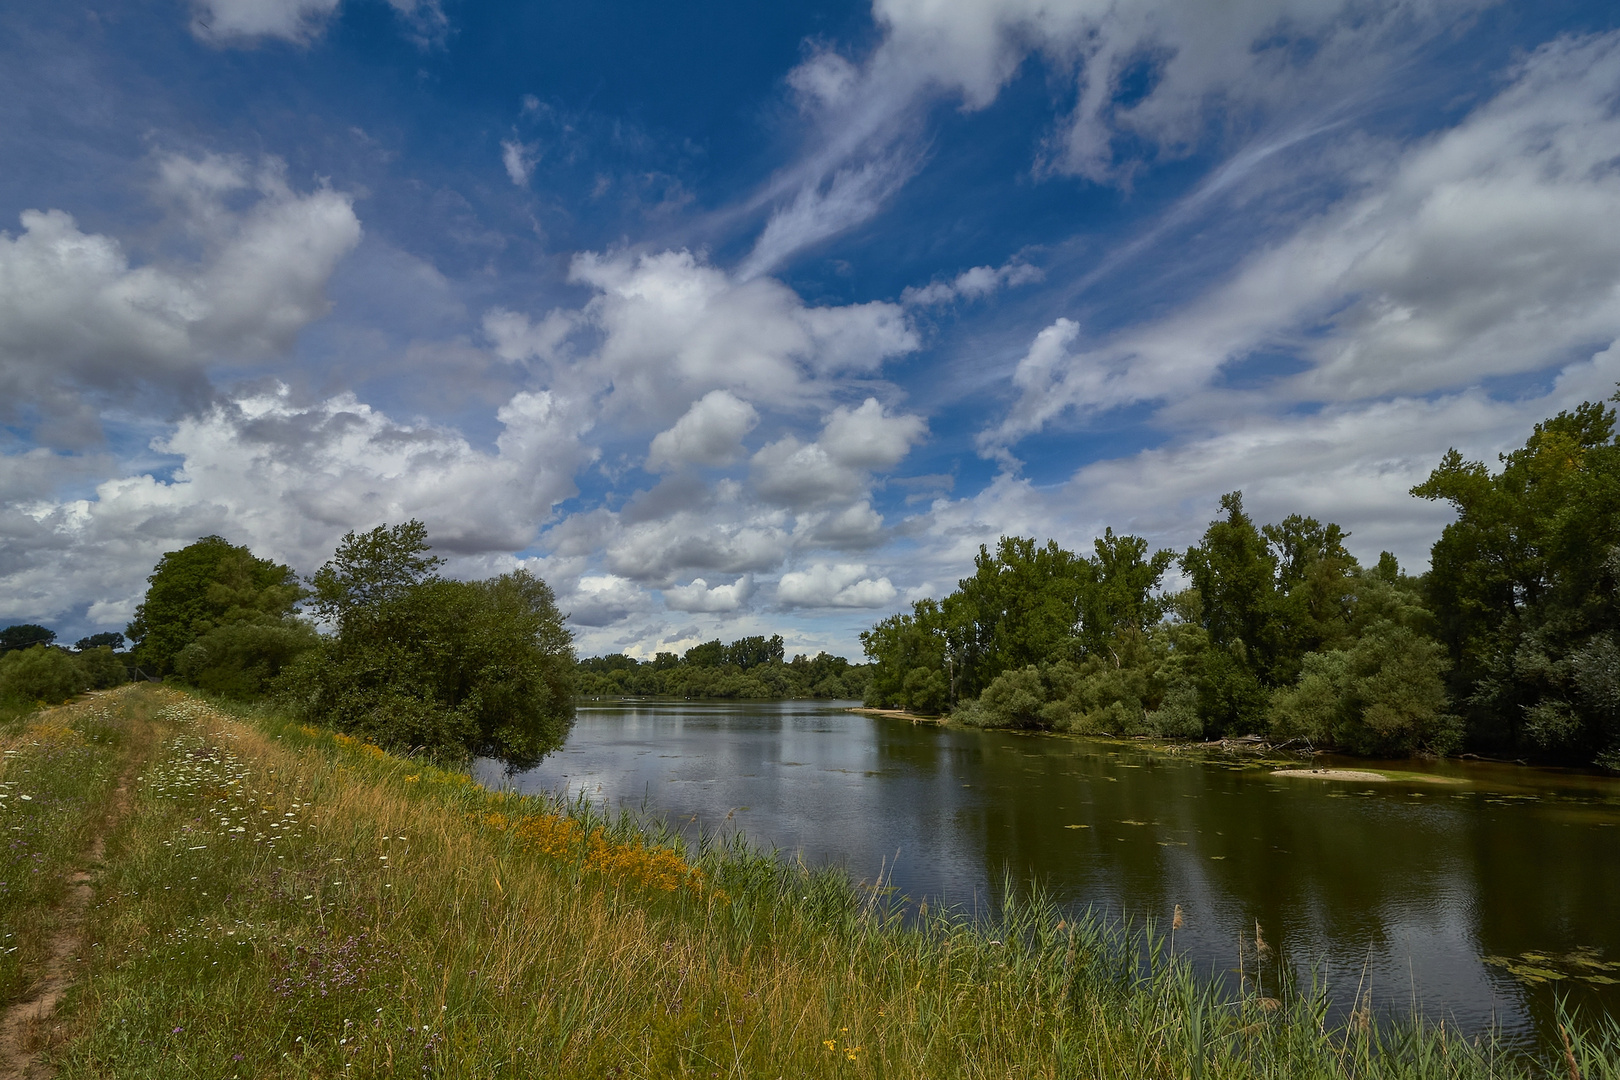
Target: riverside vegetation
1508	645
276	899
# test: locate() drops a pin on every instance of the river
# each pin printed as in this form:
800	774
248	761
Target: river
1476	891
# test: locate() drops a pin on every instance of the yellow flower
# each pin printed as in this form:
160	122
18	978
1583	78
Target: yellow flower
829	1043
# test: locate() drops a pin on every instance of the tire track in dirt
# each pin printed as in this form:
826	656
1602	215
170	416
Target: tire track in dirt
28	1027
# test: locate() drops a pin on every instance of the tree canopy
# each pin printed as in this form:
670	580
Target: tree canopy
419	662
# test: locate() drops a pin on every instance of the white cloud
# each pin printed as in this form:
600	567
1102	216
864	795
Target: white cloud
603	599
841	585
519	158
227	21
517	339
1485	250
289	479
75	315
700	596
710	433
834	467
673	328
243	22
975	283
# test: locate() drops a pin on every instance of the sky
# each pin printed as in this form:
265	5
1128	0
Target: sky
738	318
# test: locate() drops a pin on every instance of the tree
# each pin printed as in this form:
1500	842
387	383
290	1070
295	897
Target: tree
1122	601
25	636
1525	587
455	668
708	654
371	569
41	673
1022	605
111	640
204	585
100	668
1234	573
898	646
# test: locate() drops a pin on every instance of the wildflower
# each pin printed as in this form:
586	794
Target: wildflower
830	1044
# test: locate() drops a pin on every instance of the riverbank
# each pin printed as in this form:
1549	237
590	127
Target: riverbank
280	901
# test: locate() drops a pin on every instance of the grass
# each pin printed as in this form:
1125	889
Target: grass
57	770
280	901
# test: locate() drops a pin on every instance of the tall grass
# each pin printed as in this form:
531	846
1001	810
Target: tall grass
57	767
285	902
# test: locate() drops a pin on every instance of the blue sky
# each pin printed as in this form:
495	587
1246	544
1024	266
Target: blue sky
741	318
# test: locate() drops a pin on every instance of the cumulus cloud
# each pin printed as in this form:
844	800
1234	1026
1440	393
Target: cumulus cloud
840	585
290	479
710	433
700	596
673	328
836	466
1485	250
76	316
603	599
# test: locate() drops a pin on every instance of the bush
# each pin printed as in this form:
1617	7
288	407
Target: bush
42	673
102	668
240	660
1385	695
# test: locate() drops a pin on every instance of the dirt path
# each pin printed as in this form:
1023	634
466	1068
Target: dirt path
28	1027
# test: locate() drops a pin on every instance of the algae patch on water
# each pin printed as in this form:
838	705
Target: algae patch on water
1584	963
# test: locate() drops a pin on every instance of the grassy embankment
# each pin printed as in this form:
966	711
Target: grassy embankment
282	902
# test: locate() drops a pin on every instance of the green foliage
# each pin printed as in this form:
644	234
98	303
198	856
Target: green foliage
110	640
454	668
25	636
1022	605
207	584
1383	695
42	673
750	667
899	645
101	669
1525	586
241	659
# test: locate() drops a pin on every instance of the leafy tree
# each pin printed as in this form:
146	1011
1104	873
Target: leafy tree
204	585
708	654
900	645
100	668
1234	573
241	659
369	570
456	668
110	640
1122	601
25	636
1383	695
1022	605
41	673
753	651
1525	587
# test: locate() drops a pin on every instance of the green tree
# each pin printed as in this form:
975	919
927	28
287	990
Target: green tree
204	585
709	654
1023	604
1123	600
371	569
1525	587
110	640
100	668
456	668
1234	573
25	636
41	673
898	646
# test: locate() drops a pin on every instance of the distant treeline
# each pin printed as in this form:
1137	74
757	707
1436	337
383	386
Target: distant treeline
1509	645
750	667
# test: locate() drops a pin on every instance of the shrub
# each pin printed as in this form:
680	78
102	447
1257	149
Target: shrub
42	673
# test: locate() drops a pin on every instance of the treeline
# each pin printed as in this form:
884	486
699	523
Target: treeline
750	667
412	661
1508	645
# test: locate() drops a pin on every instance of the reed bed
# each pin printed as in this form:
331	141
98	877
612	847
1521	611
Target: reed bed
282	901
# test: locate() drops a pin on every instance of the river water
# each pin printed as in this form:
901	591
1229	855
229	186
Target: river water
1478	898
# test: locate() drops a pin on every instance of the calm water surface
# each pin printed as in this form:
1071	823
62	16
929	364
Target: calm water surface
1400	888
